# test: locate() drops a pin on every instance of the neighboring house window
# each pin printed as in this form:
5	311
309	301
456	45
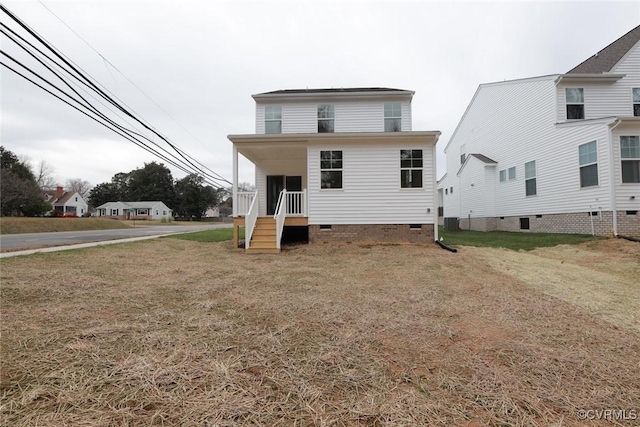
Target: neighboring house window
463	157
512	173
530	178
163	212
575	103
326	118
392	117
630	154
636	101
330	169
411	168
446	191
451	190
588	154
76	199
503	175
463	153
272	119
156	211
114	211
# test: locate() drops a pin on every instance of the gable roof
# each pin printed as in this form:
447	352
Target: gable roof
607	58
133	205
65	197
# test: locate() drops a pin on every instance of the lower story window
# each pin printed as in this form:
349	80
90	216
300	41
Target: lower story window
588	159
630	155
531	187
331	169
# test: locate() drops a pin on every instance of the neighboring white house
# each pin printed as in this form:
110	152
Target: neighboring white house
66	202
558	153
342	162
134	210
212	212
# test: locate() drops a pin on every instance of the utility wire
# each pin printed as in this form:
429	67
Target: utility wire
94	87
137	87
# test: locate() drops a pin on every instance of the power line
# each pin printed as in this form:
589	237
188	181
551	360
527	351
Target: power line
89	82
136	86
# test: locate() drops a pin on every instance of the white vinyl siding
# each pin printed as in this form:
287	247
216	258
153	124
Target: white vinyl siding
608	99
371	192
478	181
365	116
510	132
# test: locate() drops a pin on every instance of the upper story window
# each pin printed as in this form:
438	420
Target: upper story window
588	154
331	169
512	173
636	101
630	154
411	168
392	117
503	175
326	118
272	119
575	103
530	184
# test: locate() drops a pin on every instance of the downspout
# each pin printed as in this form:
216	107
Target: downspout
435	194
612	178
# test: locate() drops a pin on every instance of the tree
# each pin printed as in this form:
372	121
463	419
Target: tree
20	193
152	182
193	198
103	193
45	176
80	186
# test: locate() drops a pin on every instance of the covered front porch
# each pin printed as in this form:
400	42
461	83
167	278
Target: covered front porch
280	198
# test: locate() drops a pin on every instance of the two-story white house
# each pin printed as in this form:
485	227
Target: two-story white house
66	202
558	153
343	163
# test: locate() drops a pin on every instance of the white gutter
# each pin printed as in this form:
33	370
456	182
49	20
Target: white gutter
612	178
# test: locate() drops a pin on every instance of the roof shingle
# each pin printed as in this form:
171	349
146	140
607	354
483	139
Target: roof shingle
607	58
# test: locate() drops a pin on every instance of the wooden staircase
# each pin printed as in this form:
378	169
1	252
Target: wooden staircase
263	239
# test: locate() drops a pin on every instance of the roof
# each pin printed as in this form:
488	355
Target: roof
333	90
607	58
65	197
483	158
134	205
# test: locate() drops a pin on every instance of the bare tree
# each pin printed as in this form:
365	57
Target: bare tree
44	174
80	186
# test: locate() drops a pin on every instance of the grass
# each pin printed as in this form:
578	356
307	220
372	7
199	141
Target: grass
11	225
175	332
511	240
207	236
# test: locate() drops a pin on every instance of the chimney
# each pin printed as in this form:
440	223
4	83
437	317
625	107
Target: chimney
59	192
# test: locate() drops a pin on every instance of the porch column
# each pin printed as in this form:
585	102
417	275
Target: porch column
234	204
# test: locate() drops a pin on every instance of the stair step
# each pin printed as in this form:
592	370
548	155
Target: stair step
262	245
259	238
264	232
263	251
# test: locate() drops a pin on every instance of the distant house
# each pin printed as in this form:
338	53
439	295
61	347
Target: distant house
212	212
342	163
557	153
134	210
66	202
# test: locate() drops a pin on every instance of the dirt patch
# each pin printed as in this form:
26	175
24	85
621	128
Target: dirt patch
601	277
175	332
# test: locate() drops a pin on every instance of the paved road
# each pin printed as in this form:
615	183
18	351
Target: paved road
64	238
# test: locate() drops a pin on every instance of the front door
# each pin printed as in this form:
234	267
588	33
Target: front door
275	185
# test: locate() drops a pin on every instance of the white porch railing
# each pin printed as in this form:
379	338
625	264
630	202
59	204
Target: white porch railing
243	202
296	203
280	215
250	220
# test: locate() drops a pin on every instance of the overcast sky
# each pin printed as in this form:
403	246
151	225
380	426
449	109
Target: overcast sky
202	60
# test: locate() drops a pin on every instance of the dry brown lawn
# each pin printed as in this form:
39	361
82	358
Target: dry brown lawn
170	332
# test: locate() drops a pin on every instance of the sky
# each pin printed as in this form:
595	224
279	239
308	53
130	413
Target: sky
189	67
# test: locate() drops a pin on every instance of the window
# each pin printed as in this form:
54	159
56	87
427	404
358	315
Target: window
392	117
76	199
446	191
575	103
451	190
524	224
630	154
512	173
588	154
330	169
463	153
530	178
164	212
326	118
503	175
272	119
636	101
114	211
411	168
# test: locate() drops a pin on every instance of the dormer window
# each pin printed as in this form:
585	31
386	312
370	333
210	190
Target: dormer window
636	101
326	118
392	117
272	119
575	103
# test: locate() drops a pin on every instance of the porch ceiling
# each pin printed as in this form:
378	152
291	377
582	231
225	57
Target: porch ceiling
256	153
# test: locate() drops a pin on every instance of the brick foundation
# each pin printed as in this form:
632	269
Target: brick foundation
347	233
573	223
